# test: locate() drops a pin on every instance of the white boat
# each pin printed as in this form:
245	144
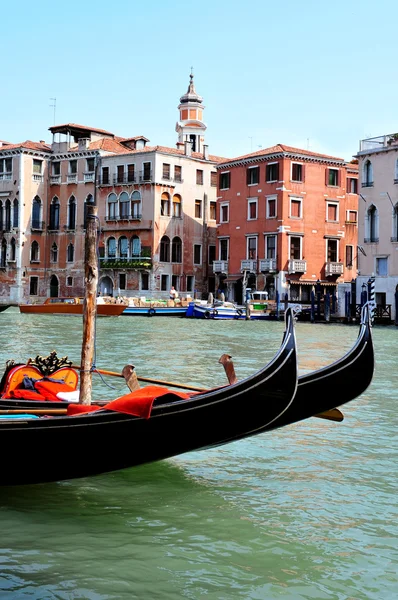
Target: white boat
221	310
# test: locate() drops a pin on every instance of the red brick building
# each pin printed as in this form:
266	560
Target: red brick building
286	218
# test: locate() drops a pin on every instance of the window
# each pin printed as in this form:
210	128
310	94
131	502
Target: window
176	250
271	207
352	185
165	205
213	210
89	200
135	246
69	281
36	213
136	205
270	246
34	252
112	204
164	249
3	253
175	282
54	253
297	172
111	248
146	174
145	281
252	209
177	206
33	286
197	254
177	173
295	247
198	209
199	177
122	281
56	169
332	247
1	216
212	254
105	175
352	216
367	174
7	224
190	283
15	216
224	249
5	168
332	211
332	177
124	205
224	213
225	181
120	174
72	213
70	253
54	214
130	173
37	165
166	171
90	165
164	283
382	266
252	175
295	208
252	248
123	247
349	255
73	167
372	225
394	224
13	250
213	178
272	172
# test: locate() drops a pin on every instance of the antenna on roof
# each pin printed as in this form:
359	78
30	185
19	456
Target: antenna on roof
54	106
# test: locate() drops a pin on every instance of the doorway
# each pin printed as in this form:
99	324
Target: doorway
54	286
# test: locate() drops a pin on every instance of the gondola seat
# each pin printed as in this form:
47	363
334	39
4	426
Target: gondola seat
27	382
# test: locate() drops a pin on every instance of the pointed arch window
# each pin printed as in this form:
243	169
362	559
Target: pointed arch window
111	248
123	247
54	253
54	214
124	205
367	180
165	249
36	213
135	246
3	254
13	250
395	224
35	252
72	213
70	253
177	205
136	205
15	214
89	200
7	223
165	205
111	208
372	225
176	250
1	216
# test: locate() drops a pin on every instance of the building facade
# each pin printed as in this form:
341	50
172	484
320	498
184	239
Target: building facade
286	219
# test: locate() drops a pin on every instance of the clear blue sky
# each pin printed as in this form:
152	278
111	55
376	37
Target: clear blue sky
311	74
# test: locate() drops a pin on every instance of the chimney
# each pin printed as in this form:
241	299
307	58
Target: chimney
42	141
206	152
84	143
188	148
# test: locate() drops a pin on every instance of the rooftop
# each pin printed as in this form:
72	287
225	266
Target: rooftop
377	144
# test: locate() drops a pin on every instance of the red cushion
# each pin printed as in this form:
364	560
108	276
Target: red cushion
77	409
139	403
25	395
50	389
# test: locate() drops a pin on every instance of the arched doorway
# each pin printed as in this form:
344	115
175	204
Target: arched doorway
54	285
106	286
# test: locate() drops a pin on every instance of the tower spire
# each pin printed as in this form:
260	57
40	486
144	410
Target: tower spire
190	127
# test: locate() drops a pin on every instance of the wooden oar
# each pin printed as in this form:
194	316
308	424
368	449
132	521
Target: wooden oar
33	411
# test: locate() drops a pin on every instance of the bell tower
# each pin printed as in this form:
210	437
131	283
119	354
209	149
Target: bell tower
190	127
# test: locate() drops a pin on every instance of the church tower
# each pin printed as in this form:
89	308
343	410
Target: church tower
190	127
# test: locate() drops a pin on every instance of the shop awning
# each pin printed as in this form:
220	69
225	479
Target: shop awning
299	282
233	278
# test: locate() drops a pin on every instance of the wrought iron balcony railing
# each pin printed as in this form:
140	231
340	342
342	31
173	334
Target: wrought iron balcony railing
125	179
367	184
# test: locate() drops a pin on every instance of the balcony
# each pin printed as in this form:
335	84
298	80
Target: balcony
5	176
89	176
55	179
334	268
297	266
126	179
136	262
267	265
37	225
220	266
72	178
366	184
248	265
371	240
145	176
133	217
37	177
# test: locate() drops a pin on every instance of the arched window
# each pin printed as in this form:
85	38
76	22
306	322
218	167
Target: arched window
372	224
3	254
70	253
13	249
112	203
396	171
124	205
165	205
135	246
15	217
54	253
123	247
165	249
89	200
7	224
395	224
72	213
136	205
54	214
367	174
176	250
34	252
111	248
36	213
176	205
1	216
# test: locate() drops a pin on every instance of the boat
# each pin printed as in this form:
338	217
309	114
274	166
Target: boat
155	311
4	307
220	310
176	423
71	306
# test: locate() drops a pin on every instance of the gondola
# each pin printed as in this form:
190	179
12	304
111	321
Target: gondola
67	447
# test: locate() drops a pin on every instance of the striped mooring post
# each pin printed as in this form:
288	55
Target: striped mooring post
372	296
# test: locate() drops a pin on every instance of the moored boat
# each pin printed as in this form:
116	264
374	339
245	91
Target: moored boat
71	306
155	311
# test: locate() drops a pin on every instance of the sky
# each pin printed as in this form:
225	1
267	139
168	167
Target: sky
312	74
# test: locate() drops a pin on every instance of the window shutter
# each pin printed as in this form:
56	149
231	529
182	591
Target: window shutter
327	176
277	171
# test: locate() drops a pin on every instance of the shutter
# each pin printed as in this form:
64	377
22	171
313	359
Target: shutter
327	176
277	171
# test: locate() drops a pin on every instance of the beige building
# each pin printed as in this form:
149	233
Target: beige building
378	218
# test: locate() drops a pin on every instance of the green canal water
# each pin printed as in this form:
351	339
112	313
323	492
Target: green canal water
305	512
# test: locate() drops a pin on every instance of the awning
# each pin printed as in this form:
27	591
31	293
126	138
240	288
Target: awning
299	282
233	278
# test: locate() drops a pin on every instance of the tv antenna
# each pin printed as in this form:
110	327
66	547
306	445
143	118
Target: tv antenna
54	106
